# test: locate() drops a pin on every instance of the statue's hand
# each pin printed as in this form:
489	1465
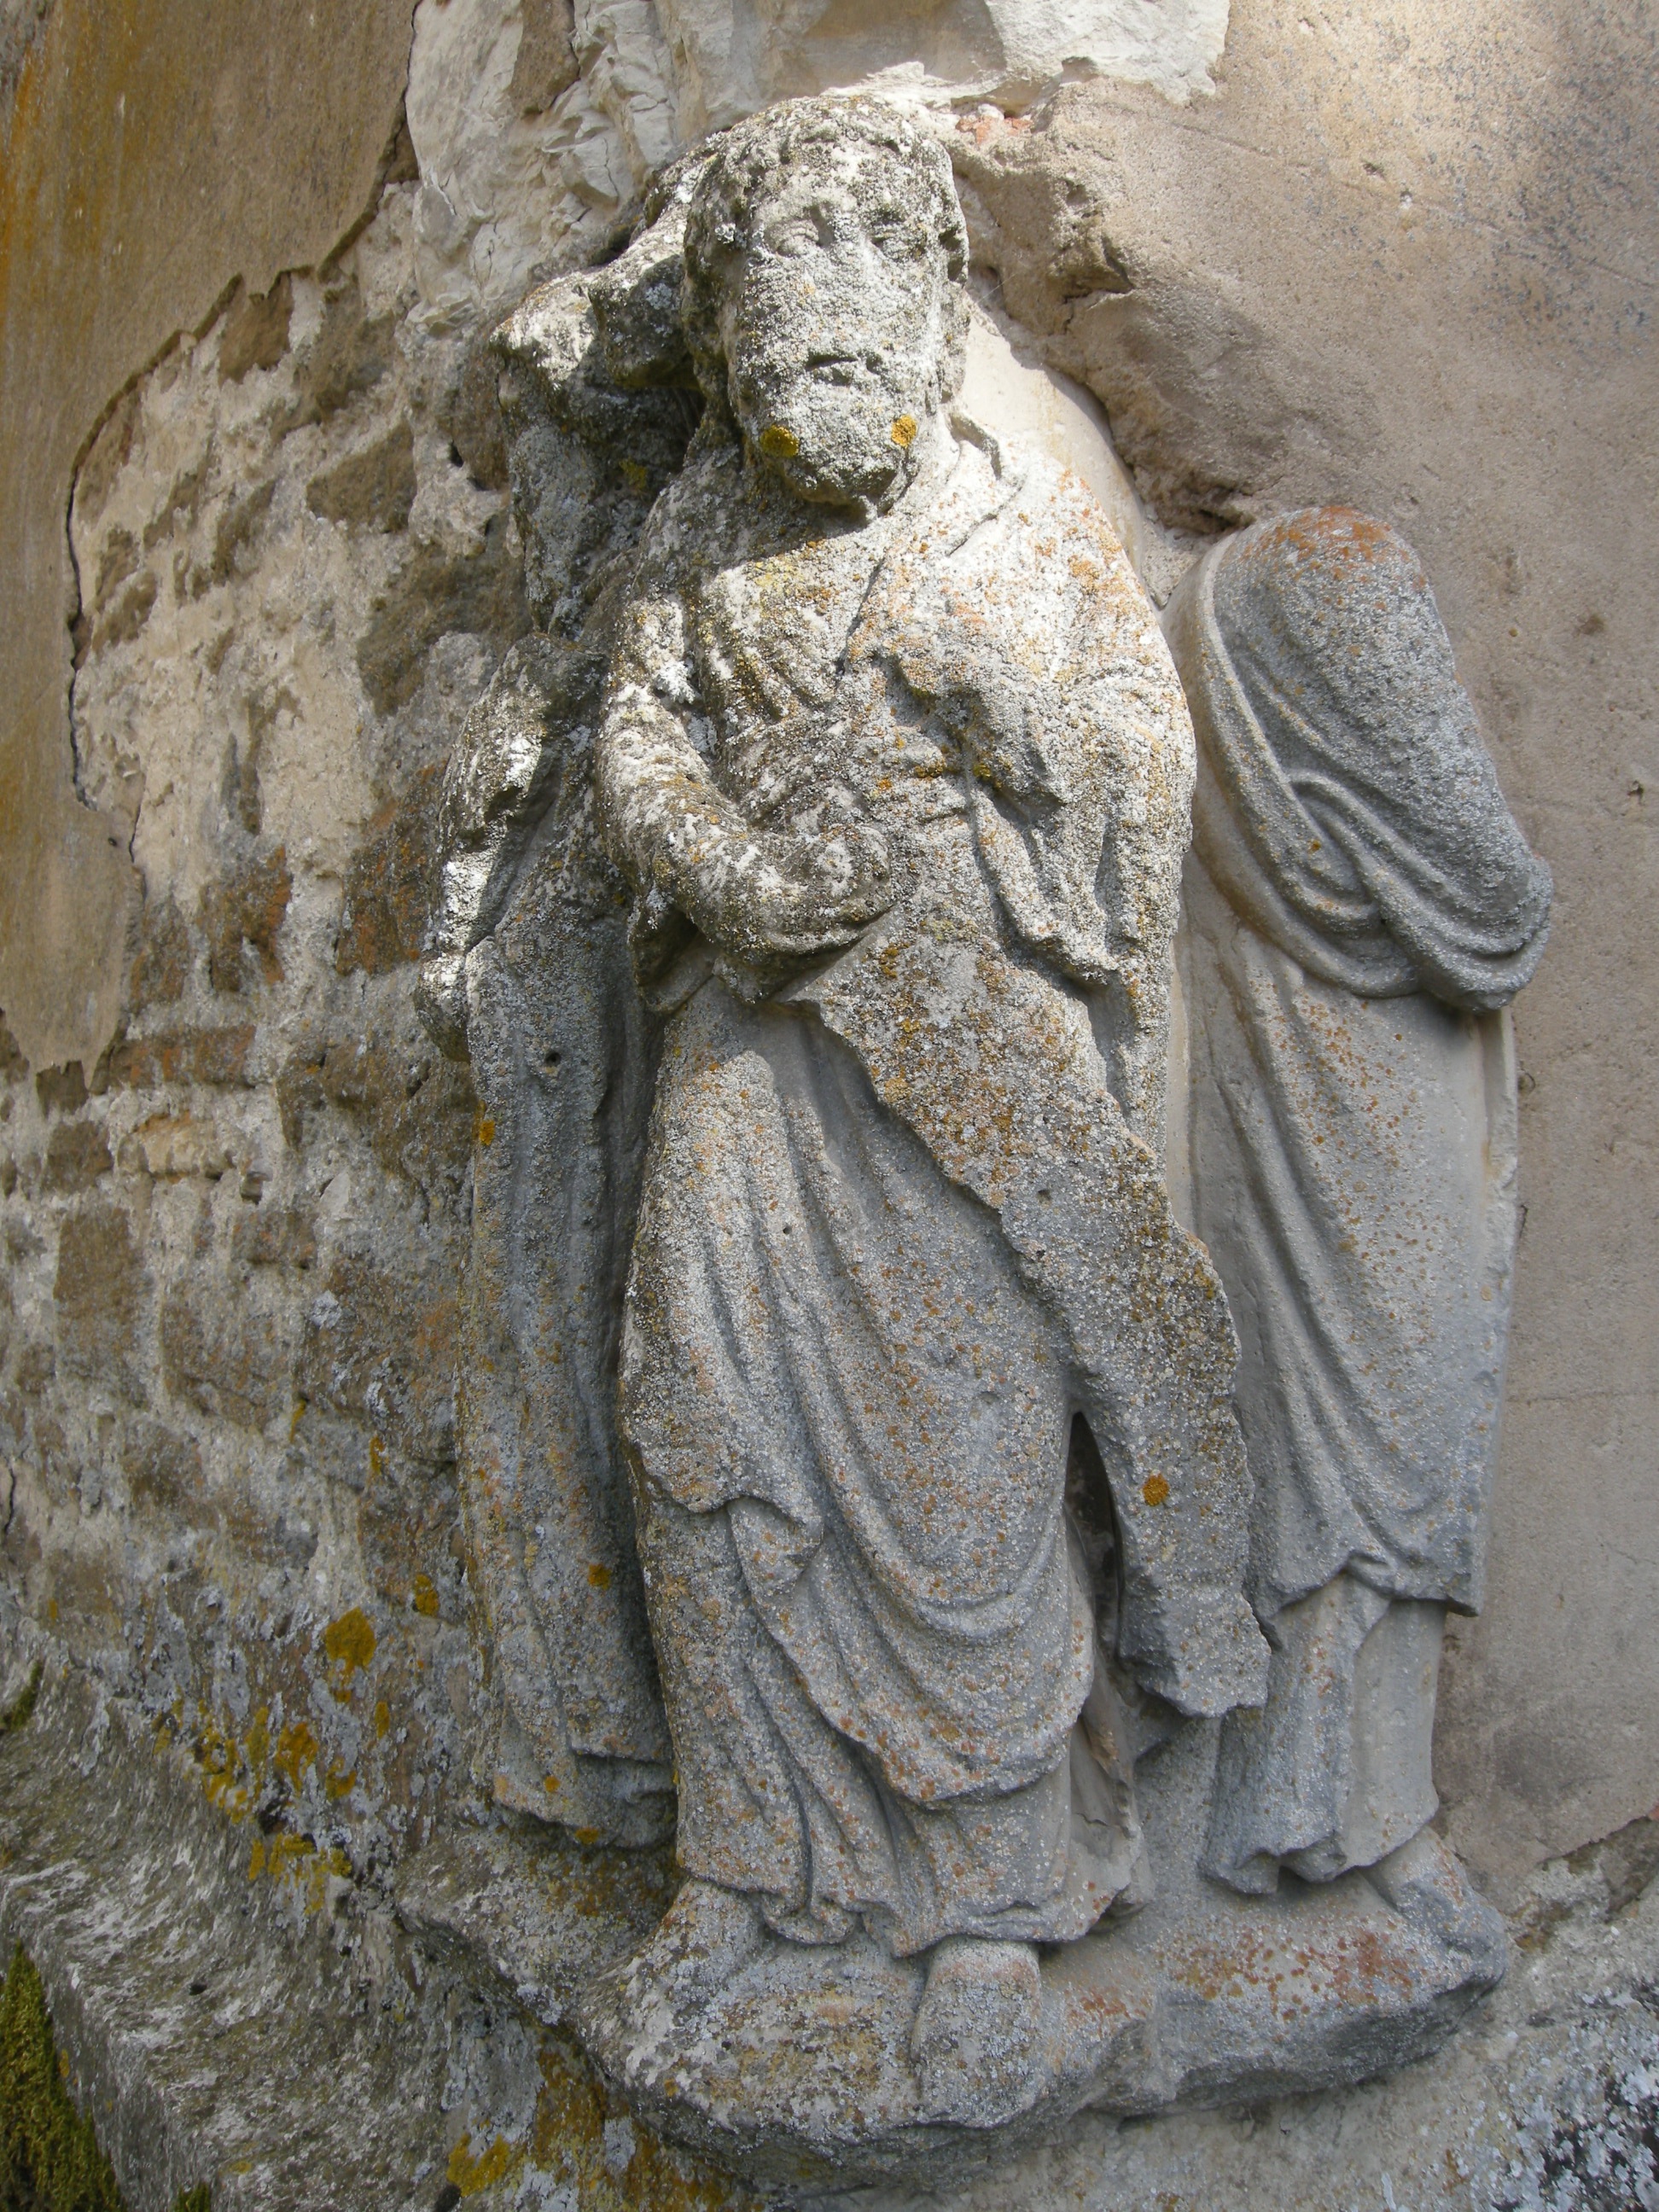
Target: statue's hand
995	710
440	1002
791	896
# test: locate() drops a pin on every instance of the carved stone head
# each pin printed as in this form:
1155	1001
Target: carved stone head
824	294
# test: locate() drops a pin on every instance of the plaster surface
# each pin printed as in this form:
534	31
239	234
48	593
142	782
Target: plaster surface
112	239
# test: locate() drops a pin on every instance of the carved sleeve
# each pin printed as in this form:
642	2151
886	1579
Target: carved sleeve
524	746
516	750
682	841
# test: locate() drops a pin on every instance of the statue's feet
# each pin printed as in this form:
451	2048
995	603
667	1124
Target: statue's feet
1424	1884
707	1936
976	2039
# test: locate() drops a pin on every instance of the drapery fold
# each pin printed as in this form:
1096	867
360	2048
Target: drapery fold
1346	803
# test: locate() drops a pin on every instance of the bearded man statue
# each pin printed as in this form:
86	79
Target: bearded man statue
895	759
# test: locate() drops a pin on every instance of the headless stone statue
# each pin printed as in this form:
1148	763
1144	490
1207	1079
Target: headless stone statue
1359	906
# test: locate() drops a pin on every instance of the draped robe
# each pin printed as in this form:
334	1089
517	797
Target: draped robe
1359	905
901	1216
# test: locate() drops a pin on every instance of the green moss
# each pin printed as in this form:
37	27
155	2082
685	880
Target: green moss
17	1713
49	2161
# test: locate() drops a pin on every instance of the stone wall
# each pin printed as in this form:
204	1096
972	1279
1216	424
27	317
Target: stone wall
258	559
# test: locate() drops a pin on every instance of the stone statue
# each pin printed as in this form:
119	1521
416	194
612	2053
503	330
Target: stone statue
1360	905
891	1536
894	757
529	978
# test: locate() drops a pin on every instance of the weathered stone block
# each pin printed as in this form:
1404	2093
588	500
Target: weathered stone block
100	1292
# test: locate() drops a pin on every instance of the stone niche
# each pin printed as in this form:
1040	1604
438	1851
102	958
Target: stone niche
774	1426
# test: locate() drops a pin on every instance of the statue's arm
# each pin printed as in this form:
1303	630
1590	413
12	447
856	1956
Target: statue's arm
682	841
502	777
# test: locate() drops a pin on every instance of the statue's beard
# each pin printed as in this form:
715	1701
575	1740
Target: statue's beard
835	431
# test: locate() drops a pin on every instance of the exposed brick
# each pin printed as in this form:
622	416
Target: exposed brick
61	1090
162	1468
275	1237
223	1356
161	966
381	1347
246	907
349	356
436	591
13	1066
255	335
191	1055
390	892
76	1155
98	1290
371	490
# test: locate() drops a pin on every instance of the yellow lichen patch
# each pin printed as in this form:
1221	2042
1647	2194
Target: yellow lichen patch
903	432
350	1643
296	1749
296	1418
382	1719
1154	1489
568	2142
340	1781
232	1771
376	1457
599	1575
256	1859
569	2112
484	1131
470	2174
424	1596
296	1860
219	1762
779	443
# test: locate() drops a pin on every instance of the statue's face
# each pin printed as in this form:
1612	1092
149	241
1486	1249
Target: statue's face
836	327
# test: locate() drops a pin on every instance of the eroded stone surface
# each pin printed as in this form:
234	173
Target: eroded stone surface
827	477
1528	1775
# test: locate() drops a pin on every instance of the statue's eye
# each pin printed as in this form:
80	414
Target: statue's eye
800	235
895	238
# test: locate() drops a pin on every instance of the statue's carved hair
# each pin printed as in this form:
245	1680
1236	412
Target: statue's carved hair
752	158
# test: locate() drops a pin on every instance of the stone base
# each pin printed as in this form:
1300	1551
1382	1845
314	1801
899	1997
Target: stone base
793	2065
